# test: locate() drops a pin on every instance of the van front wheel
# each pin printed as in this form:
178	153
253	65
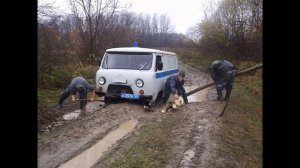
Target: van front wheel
159	97
108	100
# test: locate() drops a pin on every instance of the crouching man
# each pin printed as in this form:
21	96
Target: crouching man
80	85
174	90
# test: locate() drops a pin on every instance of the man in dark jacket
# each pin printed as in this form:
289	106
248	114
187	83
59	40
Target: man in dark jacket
80	85
223	73
174	85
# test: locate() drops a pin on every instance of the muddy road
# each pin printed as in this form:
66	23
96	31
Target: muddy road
195	136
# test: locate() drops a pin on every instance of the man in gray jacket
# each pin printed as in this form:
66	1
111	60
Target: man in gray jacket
80	85
223	73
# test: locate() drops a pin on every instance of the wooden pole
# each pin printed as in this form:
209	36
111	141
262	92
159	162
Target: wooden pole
249	69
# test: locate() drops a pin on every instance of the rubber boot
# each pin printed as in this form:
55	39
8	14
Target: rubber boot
227	94
219	92
82	112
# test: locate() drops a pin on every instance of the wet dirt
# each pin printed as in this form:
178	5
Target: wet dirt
90	108
90	156
195	136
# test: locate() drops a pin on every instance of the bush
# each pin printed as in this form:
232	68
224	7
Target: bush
60	78
57	78
89	73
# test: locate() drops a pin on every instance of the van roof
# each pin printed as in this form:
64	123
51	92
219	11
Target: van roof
138	49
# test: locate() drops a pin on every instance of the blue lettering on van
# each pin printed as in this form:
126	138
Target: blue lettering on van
166	73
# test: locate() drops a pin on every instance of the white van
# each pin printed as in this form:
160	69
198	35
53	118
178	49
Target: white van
135	73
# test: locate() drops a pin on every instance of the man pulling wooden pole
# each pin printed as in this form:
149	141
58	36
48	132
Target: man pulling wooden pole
213	83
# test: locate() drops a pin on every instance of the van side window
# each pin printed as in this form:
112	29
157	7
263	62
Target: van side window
159	64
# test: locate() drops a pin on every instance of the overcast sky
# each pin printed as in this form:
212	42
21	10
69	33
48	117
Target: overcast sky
182	13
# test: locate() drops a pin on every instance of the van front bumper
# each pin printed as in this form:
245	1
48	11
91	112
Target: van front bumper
115	95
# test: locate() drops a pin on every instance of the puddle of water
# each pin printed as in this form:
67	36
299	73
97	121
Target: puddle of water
72	115
196	97
90	156
188	155
90	107
94	106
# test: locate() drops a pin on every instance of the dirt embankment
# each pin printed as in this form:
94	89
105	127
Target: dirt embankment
194	136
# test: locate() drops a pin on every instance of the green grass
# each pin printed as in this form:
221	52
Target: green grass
145	150
195	59
241	132
251	82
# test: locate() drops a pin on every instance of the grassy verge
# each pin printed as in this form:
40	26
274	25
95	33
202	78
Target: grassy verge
47	99
192	57
241	132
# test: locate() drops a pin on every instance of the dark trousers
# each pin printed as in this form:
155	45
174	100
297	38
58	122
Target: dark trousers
226	82
228	87
166	95
67	93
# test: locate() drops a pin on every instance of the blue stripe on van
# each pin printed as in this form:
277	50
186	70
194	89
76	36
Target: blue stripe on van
166	73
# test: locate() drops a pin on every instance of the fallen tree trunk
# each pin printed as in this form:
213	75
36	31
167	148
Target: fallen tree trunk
238	74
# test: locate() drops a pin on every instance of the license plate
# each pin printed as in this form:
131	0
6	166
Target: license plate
129	96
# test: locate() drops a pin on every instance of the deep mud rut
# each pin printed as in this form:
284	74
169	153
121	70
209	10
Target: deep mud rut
195	135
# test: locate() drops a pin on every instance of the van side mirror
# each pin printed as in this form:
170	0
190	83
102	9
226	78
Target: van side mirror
99	62
159	66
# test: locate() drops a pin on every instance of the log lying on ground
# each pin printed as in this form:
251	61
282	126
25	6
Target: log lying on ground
238	74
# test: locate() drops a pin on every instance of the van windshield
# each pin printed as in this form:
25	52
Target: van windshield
126	60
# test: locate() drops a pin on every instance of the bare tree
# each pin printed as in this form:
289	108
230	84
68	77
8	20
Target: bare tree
194	35
91	15
233	28
45	11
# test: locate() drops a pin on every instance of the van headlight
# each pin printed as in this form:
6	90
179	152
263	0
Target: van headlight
101	81
139	83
